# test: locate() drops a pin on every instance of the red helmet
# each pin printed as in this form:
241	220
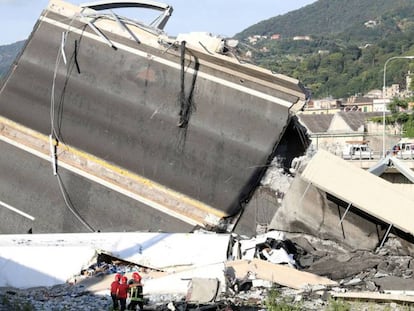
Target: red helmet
124	279
136	277
118	277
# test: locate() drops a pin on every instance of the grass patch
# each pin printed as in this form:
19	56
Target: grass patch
338	305
275	302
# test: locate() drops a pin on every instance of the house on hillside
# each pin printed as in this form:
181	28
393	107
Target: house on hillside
255	38
380	104
371	24
302	38
375	93
323	52
275	36
323	106
408	83
358	103
392	91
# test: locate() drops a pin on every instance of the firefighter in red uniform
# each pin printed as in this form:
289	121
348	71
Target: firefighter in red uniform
135	292
122	292
114	289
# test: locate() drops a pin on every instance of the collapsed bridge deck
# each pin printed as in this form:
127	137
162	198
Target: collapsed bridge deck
180	115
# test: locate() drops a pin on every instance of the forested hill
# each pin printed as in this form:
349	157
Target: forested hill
8	54
327	17
343	45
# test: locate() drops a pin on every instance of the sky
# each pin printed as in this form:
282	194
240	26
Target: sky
219	17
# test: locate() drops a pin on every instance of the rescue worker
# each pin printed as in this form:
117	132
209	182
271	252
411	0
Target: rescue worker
114	289
135	292
122	292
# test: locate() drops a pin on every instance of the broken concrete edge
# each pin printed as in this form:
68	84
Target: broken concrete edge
277	273
137	187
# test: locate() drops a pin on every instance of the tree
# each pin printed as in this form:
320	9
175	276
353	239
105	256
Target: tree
398	103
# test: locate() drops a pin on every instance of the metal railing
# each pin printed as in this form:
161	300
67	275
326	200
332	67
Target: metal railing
404	154
376	155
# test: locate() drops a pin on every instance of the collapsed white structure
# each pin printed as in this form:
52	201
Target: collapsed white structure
184	263
49	259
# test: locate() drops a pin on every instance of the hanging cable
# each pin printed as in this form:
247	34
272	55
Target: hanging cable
54	136
61	55
70	207
186	103
182	99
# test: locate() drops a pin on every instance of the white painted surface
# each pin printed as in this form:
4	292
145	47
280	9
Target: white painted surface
49	259
24	267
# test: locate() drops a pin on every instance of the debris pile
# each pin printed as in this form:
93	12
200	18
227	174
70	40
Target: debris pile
58	297
311	273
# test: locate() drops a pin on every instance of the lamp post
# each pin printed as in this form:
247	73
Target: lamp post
383	97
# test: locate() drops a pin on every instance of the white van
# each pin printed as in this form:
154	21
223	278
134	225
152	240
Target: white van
357	151
404	149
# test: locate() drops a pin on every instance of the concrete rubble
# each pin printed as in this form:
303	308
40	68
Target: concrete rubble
310	273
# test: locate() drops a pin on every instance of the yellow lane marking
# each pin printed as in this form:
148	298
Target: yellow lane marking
113	168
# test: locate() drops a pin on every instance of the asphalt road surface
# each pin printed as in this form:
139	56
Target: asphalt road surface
28	185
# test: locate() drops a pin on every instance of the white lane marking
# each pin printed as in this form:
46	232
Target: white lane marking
125	192
16	210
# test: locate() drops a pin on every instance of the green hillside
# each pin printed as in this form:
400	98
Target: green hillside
327	17
8	54
349	43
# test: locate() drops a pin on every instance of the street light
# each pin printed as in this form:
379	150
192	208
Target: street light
383	97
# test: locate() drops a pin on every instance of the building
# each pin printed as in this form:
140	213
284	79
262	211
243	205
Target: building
303	38
323	106
371	24
358	103
380	104
376	93
392	91
331	132
275	36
